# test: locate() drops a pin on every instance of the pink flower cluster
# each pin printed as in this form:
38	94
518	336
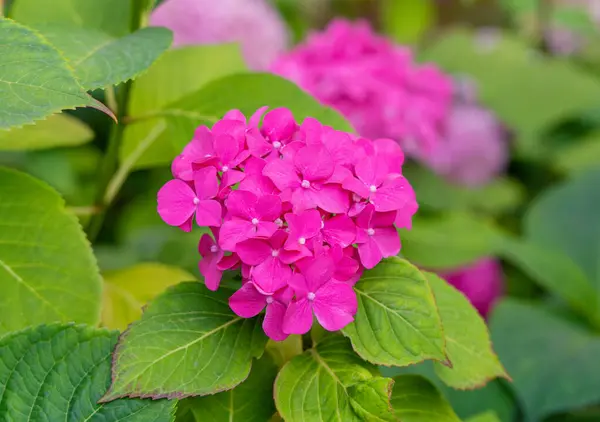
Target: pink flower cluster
376	84
300	209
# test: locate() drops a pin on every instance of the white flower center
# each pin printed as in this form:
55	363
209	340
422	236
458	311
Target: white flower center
279	222
305	184
373	188
224	168
214	248
370	232
269	300
310	296
322	224
196	201
302	240
275	252
255	221
276	144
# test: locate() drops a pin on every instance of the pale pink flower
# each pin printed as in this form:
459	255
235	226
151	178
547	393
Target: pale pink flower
254	24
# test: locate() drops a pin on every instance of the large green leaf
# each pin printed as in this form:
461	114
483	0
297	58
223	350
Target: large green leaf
329	382
415	399
251	401
187	343
468	345
110	16
128	290
565	219
100	60
548	89
397	322
449	240
56	131
35	80
58	372
157	88
433	191
553	362
47	270
485	417
556	272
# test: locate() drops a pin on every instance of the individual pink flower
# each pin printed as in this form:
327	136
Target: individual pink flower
254	24
333	303
302	227
214	261
377	85
249	216
178	202
482	283
248	302
305	180
377	237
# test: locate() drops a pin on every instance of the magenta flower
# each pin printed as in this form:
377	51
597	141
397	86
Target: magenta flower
305	180
276	195
249	216
248	302
482	283
377	238
254	24
333	303
178	202
377	85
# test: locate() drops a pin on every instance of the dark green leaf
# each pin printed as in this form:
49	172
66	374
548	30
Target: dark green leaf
187	343
415	399
251	401
58	373
329	382
397	322
47	270
553	362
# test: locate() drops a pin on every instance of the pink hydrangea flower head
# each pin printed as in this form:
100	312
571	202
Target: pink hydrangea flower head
482	283
254	24
377	85
301	208
474	149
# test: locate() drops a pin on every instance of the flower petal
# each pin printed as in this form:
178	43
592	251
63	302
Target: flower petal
247	302
241	204
212	275
234	232
369	253
354	185
339	230
335	305
331	198
298	317
279	124
206	182
273	322
314	162
253	251
393	195
282	174
175	202
298	284
388	241
205	245
268	207
271	275
209	213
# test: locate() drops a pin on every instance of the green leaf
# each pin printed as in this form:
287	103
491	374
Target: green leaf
203	347
47	270
550	269
58	372
579	156
59	130
485	417
415	399
251	401
565	219
449	240
329	382
157	88
553	362
406	21
433	191
468	345
35	80
110	16
549	89
100	60
127	291
397	322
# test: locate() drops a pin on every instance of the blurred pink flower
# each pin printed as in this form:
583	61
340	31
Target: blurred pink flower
482	283
252	23
475	146
562	41
377	85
